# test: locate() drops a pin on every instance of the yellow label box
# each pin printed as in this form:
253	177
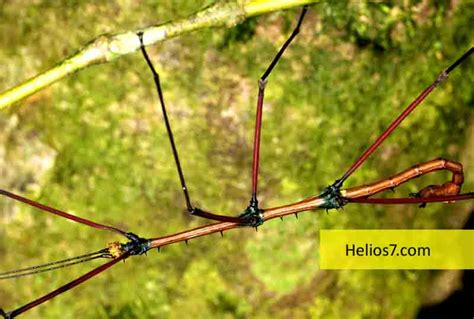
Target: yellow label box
397	249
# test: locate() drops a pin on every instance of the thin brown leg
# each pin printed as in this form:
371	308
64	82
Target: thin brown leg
61	213
62	289
262	82
332	192
252	215
442	76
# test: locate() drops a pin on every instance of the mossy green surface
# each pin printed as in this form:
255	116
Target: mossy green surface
95	145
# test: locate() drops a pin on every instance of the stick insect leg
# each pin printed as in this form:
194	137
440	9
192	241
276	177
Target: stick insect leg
253	212
333	190
192	210
62	289
413	200
156	78
63	214
252	215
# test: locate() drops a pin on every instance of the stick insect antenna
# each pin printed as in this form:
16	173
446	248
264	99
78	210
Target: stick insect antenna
63	214
62	289
156	78
104	253
442	76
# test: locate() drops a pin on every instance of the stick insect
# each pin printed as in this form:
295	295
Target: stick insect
332	197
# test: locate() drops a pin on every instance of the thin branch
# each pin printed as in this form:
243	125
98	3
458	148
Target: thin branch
106	48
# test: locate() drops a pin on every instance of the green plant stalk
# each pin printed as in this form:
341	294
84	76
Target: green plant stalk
106	48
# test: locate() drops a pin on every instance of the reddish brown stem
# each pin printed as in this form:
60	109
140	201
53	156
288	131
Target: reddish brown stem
60	213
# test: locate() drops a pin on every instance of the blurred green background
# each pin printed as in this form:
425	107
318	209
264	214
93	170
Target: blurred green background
94	144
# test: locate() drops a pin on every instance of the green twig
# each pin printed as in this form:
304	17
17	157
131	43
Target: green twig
106	48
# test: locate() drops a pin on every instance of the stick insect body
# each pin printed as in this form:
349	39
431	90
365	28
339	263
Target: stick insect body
333	197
